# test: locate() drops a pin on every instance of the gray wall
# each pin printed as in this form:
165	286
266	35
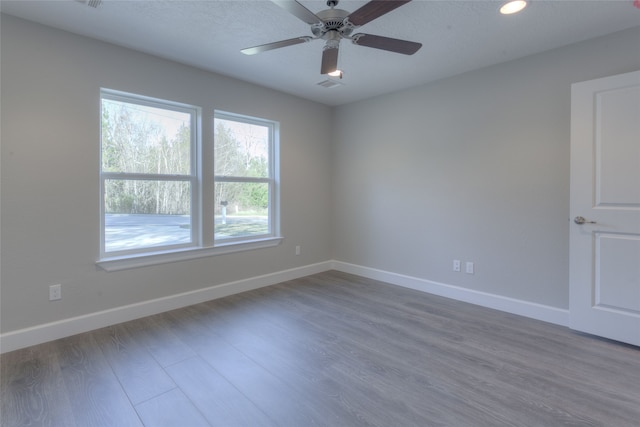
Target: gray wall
474	167
50	153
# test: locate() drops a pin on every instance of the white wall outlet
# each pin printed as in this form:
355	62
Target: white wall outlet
55	292
297	250
456	265
469	267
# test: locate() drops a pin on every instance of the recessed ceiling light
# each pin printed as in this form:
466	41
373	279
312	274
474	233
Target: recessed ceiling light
336	73
513	6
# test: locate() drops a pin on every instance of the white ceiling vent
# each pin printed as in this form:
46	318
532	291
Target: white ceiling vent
330	83
93	3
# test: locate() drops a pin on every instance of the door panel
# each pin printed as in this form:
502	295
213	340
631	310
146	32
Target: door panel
617	155
617	272
605	190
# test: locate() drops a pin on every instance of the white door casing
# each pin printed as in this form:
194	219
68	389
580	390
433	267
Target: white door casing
605	190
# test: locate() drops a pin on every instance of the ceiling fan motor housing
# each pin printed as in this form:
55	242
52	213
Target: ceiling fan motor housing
332	20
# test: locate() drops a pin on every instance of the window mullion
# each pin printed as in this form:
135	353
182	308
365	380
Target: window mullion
241	179
146	176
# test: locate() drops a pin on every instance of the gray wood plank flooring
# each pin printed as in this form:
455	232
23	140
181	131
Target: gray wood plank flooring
330	349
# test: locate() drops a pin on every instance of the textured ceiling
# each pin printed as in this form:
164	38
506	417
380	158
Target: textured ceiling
457	36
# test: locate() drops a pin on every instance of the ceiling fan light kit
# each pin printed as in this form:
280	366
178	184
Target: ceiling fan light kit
332	25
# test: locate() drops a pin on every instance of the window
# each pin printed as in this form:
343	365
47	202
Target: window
153	196
244	177
149	175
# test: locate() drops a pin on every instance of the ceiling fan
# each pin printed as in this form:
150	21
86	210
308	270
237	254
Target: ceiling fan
333	25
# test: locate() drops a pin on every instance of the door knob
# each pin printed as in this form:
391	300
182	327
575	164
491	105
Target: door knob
581	220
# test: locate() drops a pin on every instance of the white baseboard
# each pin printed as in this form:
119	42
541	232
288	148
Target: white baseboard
63	328
532	310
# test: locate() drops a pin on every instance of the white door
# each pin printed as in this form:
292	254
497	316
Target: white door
605	207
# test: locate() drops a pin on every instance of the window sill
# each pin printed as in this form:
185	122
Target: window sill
154	258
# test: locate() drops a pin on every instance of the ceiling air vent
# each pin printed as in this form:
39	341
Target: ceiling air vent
330	83
93	3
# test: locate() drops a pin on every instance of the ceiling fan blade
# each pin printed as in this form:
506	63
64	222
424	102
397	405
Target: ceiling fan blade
374	9
386	43
275	45
329	60
298	10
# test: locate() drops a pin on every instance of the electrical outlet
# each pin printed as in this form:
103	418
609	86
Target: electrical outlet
456	265
297	250
469	267
55	292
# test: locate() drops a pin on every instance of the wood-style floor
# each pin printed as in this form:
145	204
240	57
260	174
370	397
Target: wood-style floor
326	350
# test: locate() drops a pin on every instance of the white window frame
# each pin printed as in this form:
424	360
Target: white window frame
203	243
271	181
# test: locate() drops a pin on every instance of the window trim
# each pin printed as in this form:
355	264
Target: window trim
203	242
126	262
